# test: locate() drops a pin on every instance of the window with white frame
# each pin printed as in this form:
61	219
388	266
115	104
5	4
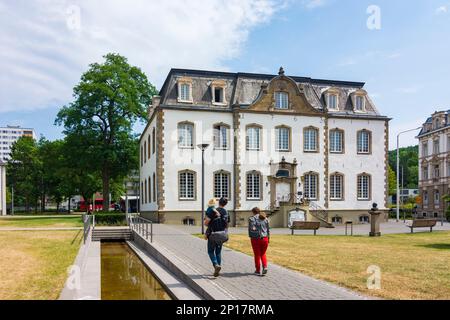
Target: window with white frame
185	135
436	146
332	101
363	187
222	185
436	198
218	93
282	136
186	185
253	138
425	149
336	141
310	186
336	186
281	100
360	103
425	172
310	140
437	171
363	141
221	136
184	93
254	186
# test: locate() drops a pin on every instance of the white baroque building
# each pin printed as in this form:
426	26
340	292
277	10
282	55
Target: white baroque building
274	141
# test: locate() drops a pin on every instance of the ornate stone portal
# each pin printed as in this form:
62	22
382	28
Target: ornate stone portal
283	183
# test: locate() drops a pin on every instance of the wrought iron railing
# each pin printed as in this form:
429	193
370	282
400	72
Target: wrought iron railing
88	226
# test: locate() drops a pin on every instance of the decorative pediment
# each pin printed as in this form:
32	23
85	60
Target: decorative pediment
297	102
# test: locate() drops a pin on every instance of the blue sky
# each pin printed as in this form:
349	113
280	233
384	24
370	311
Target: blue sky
46	44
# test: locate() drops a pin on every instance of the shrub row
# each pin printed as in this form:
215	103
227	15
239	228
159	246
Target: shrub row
110	219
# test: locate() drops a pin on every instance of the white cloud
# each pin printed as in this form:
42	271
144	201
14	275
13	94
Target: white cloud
441	10
43	53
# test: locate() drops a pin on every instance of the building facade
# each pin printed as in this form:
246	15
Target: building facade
274	141
434	165
9	135
2	188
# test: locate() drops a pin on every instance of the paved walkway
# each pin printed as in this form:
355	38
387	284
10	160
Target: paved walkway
237	280
391	227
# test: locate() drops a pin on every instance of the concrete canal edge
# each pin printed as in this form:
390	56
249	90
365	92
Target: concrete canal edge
84	276
204	288
174	287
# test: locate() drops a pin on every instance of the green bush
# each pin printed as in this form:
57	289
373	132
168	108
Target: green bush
448	213
110	219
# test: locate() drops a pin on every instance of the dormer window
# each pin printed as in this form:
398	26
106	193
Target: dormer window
281	100
185	90
218	92
360	103
332	101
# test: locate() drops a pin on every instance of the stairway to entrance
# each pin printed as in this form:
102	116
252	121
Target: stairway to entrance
112	234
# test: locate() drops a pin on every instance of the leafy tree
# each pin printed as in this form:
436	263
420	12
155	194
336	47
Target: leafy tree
109	99
24	172
409	160
392	181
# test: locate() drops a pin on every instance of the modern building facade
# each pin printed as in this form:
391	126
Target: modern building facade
275	141
434	164
2	188
9	135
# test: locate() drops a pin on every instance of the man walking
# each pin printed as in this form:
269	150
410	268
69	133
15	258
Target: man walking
218	234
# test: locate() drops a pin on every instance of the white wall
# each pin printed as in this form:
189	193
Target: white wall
351	164
149	168
176	159
259	160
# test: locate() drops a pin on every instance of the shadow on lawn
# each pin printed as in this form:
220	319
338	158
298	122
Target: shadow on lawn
440	246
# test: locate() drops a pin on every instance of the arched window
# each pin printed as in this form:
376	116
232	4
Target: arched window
364	219
336	141
221	136
154	187
360	103
310	186
145	151
148	144
149	190
154	140
336	220
311	139
186	185
336	186
254	183
364	188
253	137
364	142
282	173
283	138
186	135
145	192
222	184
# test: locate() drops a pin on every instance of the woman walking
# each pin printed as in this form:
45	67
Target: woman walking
259	233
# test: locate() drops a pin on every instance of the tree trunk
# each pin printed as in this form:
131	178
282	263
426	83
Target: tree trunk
105	180
57	207
68	205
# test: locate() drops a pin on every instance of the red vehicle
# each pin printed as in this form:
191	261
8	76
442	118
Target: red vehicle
98	206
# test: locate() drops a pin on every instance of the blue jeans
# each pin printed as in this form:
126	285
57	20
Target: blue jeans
214	252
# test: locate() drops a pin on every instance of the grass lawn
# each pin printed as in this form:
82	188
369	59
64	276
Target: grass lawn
33	265
41	222
413	266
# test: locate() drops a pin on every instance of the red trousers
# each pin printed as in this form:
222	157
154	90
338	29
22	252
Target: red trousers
259	250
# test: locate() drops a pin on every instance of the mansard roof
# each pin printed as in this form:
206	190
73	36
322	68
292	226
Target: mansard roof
427	126
243	89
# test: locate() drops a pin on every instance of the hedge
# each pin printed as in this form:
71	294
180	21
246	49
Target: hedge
110	219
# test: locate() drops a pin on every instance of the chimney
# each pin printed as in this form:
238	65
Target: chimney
156	101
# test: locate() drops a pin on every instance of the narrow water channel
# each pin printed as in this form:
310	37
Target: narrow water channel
125	277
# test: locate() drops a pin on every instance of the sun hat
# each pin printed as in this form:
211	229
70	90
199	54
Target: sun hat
212	203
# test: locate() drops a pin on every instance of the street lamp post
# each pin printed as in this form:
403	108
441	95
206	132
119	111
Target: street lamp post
398	170
203	147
